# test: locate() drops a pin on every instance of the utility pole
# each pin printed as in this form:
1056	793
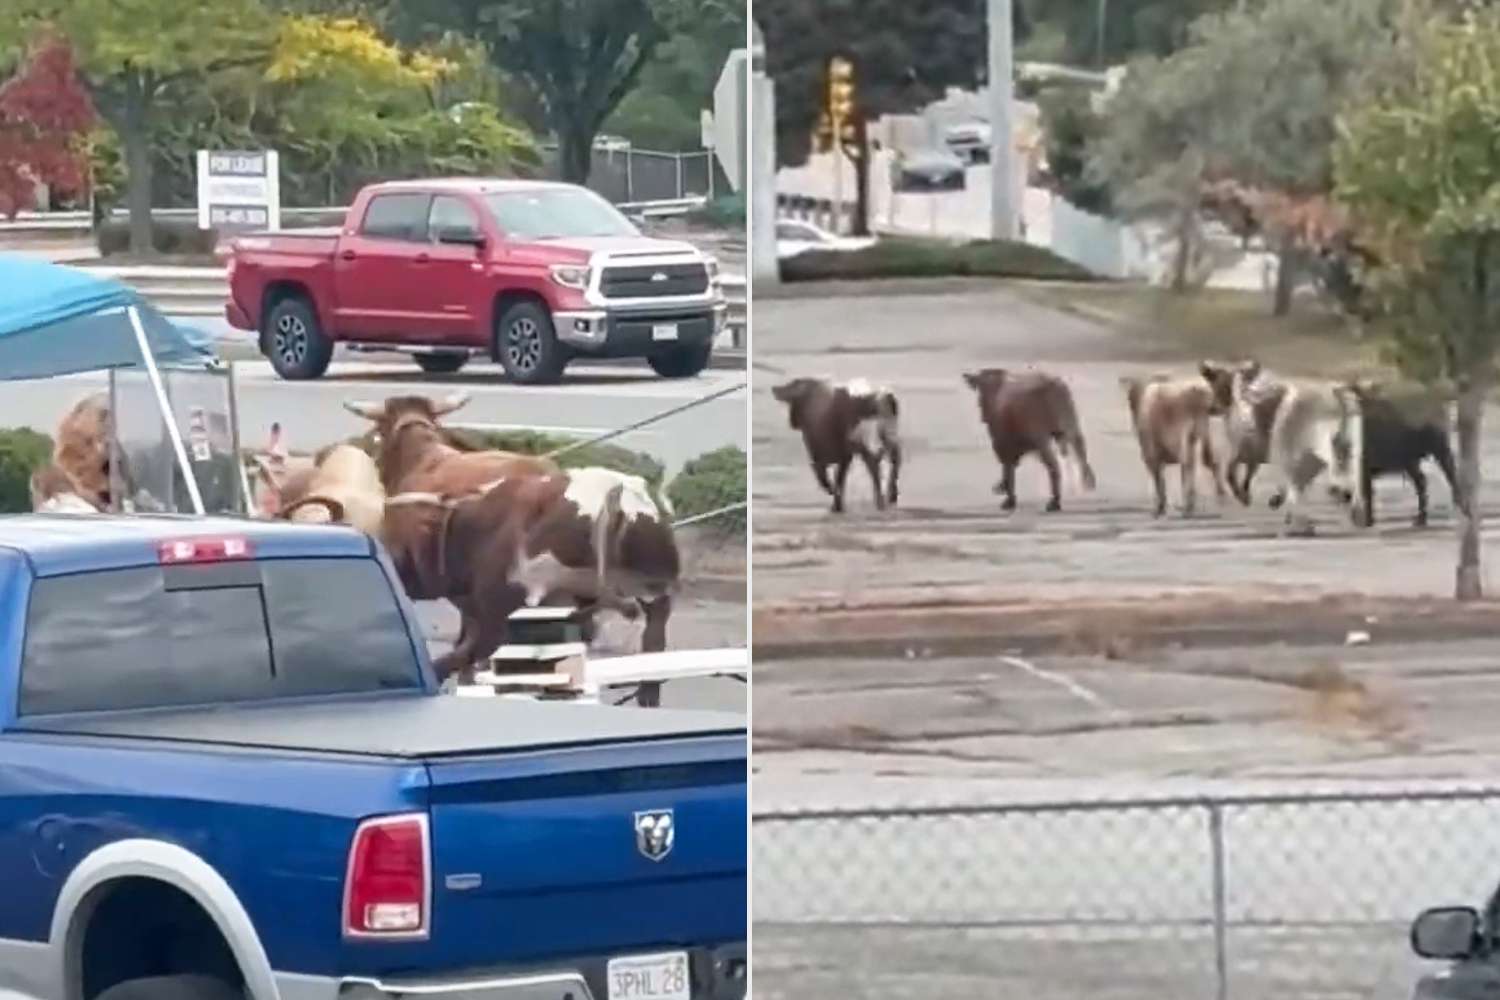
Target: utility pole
1002	184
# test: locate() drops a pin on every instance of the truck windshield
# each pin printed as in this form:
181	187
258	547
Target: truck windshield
557	213
215	633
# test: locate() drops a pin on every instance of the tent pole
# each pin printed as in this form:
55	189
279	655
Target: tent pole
166	409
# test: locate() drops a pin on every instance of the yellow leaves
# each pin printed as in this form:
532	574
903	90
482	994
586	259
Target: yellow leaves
326	48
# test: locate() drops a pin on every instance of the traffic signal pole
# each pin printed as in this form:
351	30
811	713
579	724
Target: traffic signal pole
1002	179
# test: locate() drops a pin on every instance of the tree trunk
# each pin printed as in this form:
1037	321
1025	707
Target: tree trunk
575	152
861	179
1469	582
1287	261
137	140
1183	261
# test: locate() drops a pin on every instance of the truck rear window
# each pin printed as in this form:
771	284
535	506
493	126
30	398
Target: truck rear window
222	632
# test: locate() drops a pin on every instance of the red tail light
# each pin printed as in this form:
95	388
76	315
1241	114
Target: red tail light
388	890
204	550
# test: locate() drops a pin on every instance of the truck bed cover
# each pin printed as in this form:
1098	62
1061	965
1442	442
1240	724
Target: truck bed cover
414	726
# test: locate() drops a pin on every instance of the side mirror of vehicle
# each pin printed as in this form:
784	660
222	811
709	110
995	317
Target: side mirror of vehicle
461	237
1447	932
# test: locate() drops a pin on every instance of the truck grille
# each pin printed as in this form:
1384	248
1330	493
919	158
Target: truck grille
651	281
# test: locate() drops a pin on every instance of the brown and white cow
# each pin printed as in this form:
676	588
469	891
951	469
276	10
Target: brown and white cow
416	456
841	421
1317	428
1248	417
1025	413
1173	425
282	479
594	538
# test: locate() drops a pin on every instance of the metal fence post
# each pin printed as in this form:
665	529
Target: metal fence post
1221	943
680	192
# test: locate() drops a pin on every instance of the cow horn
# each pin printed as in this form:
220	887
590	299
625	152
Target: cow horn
457	401
334	508
369	411
604	530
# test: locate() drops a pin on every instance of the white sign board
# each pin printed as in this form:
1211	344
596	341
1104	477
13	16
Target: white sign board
731	117
239	191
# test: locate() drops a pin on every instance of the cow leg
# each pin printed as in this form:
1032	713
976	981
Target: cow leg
1190	475
1419	483
872	465
893	452
840	477
1008	486
654	638
820	473
1367	483
1159	483
1048	454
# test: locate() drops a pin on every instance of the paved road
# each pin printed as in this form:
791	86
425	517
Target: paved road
1109	903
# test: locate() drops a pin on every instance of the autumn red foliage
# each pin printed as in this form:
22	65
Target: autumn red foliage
44	114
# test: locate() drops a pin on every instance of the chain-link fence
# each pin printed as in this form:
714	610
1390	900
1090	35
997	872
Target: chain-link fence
629	175
1189	899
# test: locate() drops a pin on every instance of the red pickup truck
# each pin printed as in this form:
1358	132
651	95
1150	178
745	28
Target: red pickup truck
531	273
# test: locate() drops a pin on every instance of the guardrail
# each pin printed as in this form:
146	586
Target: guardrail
201	291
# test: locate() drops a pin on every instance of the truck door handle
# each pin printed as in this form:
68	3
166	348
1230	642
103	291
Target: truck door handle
348	255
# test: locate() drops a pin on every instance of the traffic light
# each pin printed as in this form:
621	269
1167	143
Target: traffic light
840	89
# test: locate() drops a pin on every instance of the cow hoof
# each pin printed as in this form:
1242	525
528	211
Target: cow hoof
1276	501
1420	521
1054	507
1008	504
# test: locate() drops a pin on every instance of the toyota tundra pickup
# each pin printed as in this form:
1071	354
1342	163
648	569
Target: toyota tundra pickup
532	274
226	771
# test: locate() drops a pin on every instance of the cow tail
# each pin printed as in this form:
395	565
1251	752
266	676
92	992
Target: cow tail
604	531
1072	441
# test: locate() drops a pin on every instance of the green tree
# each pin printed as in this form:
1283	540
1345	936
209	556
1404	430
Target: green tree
1286	68
1418	166
134	56
1152	152
1069	30
581	58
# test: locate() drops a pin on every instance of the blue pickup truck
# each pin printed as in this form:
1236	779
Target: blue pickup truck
226	770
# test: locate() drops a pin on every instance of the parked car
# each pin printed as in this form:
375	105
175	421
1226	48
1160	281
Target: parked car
793	236
970	142
227	771
929	170
533	274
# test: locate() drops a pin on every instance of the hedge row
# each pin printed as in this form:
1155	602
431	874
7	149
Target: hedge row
902	257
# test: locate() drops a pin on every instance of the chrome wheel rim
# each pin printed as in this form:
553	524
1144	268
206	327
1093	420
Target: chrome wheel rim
291	340
523	344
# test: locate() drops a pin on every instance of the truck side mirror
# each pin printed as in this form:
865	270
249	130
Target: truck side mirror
1448	932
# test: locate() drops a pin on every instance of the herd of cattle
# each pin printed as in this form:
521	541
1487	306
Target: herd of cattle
489	531
1229	419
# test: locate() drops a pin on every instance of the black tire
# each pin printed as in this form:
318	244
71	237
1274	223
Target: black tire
441	363
173	988
294	342
684	362
527	347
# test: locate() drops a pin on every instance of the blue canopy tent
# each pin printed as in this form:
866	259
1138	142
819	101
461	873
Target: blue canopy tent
57	320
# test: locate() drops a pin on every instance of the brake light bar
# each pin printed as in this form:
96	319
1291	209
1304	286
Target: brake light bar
179	551
388	887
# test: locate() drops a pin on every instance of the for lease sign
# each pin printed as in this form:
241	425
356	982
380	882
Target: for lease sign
238	190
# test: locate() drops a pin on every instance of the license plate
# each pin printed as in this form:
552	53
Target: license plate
664	331
650	977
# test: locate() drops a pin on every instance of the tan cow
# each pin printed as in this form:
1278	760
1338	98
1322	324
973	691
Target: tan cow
53	491
1172	425
344	488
